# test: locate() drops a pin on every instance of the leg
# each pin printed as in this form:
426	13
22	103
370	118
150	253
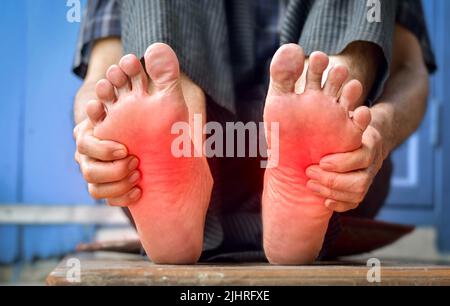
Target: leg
312	125
171	213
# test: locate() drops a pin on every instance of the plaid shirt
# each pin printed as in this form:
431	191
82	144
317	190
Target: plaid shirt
101	20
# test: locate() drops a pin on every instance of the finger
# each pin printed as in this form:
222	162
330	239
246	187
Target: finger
99	172
103	150
126	200
347	162
82	127
116	189
337	195
355	181
340	207
77	157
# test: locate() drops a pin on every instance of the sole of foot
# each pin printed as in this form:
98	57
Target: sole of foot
170	214
312	125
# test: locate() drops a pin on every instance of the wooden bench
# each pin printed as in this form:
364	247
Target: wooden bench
104	268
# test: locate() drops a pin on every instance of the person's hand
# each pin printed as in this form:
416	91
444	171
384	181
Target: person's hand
111	174
344	179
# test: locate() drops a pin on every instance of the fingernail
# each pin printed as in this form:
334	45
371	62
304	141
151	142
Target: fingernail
135	193
120	153
329	204
311	172
134	177
313	187
133	164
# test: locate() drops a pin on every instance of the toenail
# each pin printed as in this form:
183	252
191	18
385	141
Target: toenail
134	177
135	193
133	164
120	153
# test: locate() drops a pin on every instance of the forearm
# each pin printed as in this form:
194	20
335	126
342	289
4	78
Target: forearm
362	60
401	108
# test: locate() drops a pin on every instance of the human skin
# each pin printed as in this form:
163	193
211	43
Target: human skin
176	191
105	164
100	167
98	164
344	179
312	124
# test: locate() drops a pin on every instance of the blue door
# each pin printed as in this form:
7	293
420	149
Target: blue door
422	163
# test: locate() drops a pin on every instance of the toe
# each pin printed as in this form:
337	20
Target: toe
351	93
318	62
119	79
132	67
95	111
362	117
161	64
336	78
105	91
286	68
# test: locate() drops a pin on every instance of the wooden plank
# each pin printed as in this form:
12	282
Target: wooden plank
114	269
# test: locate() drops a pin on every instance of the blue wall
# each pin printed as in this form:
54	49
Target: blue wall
36	159
37	90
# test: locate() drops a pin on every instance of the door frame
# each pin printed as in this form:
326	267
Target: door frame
442	166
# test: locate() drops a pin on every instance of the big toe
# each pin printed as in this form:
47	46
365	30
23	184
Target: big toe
162	66
286	68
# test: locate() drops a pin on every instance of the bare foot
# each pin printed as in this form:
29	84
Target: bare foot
312	124
170	215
